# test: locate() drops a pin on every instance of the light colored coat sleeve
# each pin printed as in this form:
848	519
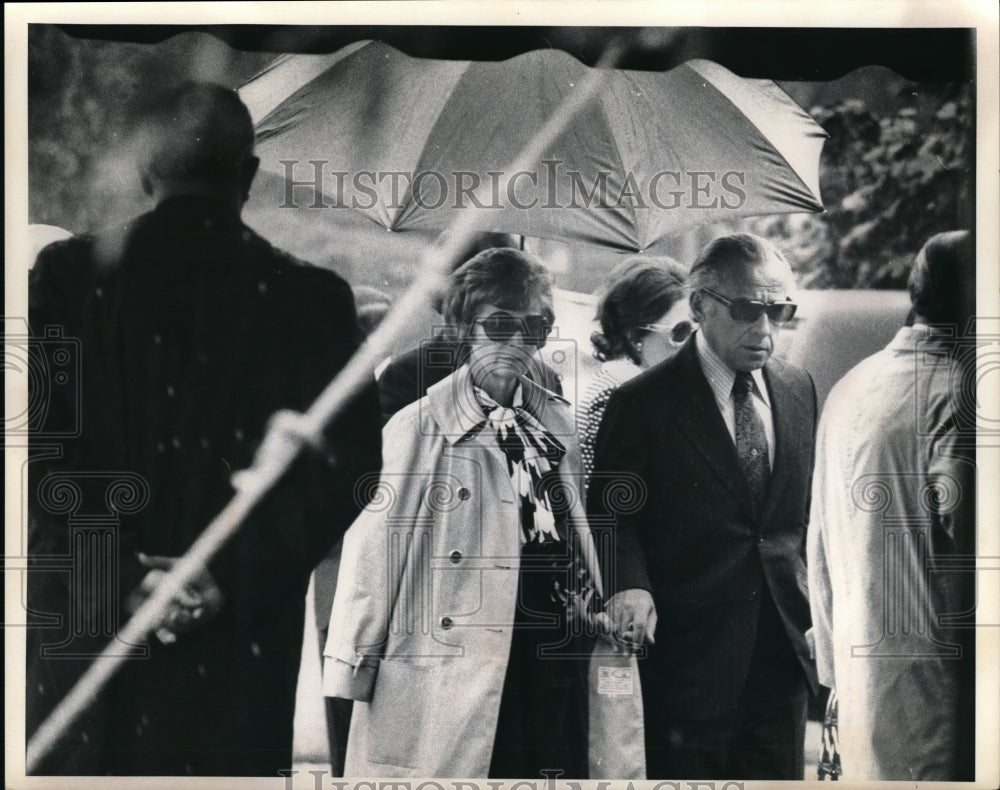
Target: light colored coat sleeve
369	578
820	593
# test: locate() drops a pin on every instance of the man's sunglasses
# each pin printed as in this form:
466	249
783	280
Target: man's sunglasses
501	327
747	311
677	333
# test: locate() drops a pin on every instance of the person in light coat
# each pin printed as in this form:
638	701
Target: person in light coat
452	622
892	535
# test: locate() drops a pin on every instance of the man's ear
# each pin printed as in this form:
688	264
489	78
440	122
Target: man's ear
697	308
147	184
248	175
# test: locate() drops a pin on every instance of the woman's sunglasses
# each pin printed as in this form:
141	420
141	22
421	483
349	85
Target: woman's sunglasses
747	311
501	327
677	333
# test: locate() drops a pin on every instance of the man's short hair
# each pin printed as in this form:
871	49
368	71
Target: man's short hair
508	278
198	130
729	256
942	279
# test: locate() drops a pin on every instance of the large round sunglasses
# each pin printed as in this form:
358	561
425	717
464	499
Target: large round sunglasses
677	333
747	311
501	327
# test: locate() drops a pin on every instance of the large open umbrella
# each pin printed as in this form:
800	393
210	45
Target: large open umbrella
410	142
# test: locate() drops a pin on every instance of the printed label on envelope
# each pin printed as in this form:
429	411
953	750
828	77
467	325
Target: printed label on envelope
615	681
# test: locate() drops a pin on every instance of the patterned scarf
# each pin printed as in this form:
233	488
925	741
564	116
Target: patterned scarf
533	455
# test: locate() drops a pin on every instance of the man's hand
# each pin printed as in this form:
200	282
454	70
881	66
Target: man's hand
633	616
199	601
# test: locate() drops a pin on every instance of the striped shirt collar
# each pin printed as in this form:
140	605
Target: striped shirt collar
721	377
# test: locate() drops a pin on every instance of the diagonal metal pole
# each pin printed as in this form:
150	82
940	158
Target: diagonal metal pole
280	448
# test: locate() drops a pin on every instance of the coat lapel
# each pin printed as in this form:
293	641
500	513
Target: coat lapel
792	429
692	406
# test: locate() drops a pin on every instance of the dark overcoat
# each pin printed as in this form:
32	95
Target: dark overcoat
185	331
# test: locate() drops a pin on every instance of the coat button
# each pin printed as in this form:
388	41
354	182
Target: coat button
753	596
456	556
760	538
464	493
446	623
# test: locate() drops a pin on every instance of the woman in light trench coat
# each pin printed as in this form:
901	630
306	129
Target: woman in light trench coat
450	625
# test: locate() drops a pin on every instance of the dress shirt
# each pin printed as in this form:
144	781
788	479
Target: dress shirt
720	378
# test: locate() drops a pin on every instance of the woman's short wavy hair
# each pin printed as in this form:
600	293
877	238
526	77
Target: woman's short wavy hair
508	278
640	291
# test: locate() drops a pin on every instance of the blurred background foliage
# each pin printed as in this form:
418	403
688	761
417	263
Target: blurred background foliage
81	98
898	167
889	180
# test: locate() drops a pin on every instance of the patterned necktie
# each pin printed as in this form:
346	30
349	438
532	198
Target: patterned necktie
751	440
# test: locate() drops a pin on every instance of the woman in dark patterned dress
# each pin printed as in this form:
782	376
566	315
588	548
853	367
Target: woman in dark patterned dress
644	320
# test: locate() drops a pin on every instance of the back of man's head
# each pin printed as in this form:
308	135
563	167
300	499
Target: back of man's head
197	132
943	278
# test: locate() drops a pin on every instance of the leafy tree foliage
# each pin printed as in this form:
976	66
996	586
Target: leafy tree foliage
82	100
76	100
888	184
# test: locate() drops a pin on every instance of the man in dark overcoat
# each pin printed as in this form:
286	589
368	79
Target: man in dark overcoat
189	332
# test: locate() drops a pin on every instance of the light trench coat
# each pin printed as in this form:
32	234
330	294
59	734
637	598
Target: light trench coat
893	519
421	624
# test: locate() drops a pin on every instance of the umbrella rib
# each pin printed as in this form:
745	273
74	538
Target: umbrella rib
727	98
633	210
399	212
301	70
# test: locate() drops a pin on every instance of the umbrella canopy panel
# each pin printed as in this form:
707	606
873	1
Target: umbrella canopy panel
409	141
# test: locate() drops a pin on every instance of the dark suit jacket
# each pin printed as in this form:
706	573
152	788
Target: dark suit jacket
691	534
406	379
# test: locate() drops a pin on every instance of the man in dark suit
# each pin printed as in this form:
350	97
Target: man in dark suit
718	446
192	332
